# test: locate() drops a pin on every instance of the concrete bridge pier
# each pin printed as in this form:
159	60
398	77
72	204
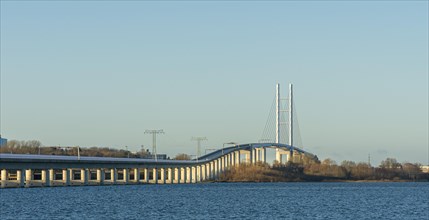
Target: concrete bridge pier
280	154
113	176
219	164
255	155
66	177
28	177
183	176
215	169
203	172
100	176
137	175
126	173
261	155
173	175
297	157
52	177
222	164
4	178
210	172
176	175
237	158
71	175
218	168
232	159
188	175
154	175
20	177
290	156
197	174
207	172
45	178
84	176
169	175
193	174
146	175
161	176
264	155
247	156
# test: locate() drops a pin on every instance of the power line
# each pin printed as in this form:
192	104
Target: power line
199	139
154	133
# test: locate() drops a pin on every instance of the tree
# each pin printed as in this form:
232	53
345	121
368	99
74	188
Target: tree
329	162
390	163
411	170
33	144
182	157
362	171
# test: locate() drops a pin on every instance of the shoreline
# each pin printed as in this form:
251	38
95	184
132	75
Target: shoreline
326	181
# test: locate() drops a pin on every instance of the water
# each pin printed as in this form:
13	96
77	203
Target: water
221	201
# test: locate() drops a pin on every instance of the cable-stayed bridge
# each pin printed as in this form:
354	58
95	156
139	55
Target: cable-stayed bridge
24	170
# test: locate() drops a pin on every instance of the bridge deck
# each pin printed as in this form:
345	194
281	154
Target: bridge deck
18	161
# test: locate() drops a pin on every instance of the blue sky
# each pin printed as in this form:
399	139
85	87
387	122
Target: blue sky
101	73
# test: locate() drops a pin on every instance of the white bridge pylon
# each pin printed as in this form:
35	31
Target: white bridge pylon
281	152
279	111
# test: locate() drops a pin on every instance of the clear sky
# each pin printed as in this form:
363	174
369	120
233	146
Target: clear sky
100	73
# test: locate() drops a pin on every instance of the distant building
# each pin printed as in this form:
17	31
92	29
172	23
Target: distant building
159	156
3	141
425	169
148	155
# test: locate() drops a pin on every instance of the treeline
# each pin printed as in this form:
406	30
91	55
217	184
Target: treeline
35	147
327	170
182	156
389	169
18	147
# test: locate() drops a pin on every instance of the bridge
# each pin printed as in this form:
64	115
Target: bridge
25	170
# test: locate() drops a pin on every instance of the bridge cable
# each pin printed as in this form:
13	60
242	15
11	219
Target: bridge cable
297	130
267	133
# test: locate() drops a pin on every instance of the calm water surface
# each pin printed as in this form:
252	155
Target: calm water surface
221	201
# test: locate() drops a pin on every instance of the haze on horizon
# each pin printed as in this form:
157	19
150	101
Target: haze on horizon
101	73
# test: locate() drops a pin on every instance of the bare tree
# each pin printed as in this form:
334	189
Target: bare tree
182	157
390	163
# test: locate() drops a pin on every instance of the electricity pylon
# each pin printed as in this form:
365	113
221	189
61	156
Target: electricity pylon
154	133
199	139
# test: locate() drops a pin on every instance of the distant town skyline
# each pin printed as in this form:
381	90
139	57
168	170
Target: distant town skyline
100	73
